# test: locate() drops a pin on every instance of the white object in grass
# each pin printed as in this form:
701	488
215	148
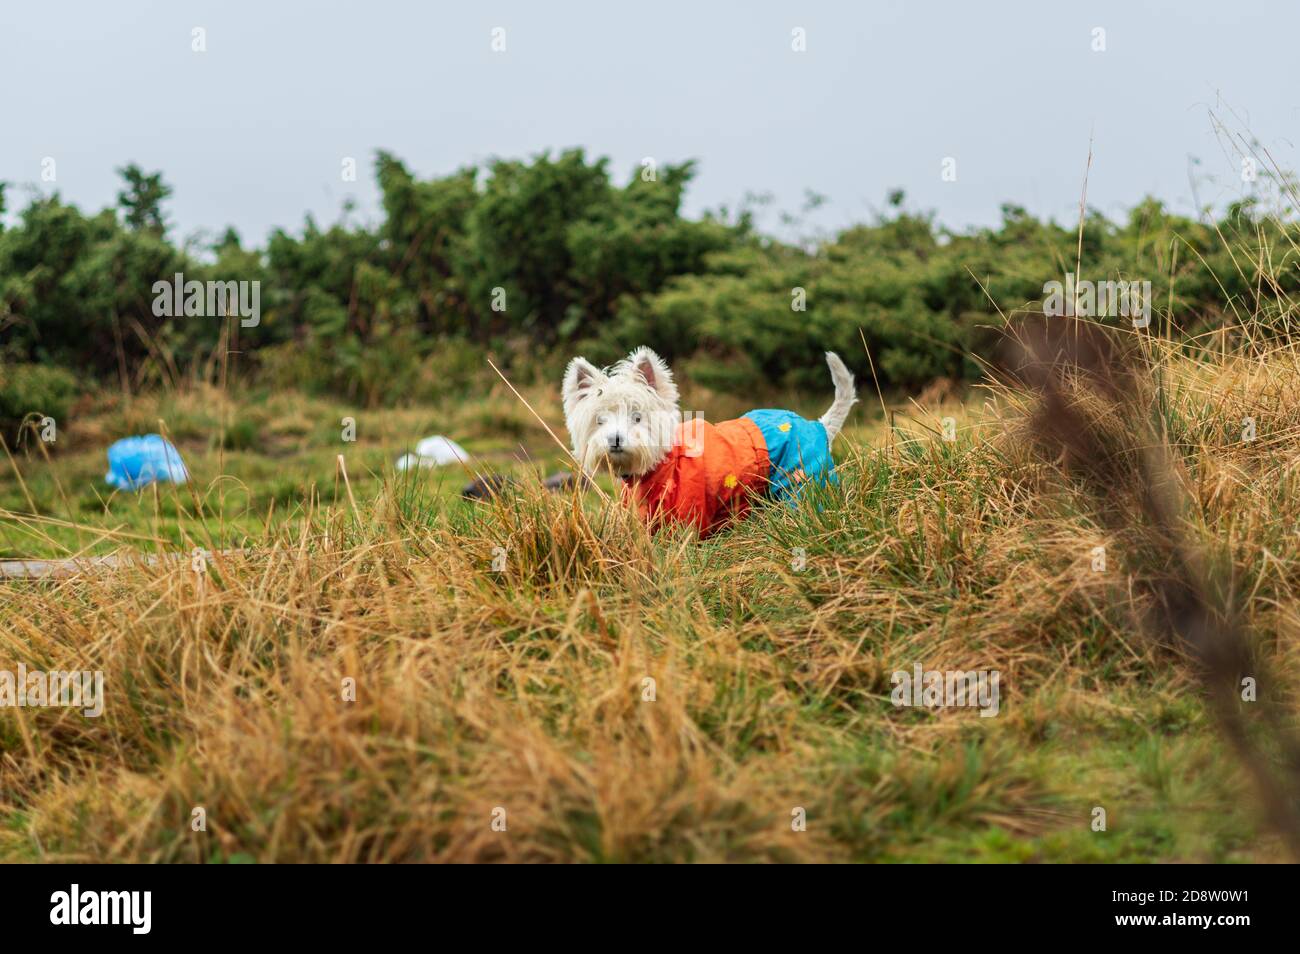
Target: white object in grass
434	452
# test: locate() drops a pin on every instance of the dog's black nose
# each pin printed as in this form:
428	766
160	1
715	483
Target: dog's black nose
616	442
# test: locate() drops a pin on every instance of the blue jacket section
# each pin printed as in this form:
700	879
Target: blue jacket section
797	450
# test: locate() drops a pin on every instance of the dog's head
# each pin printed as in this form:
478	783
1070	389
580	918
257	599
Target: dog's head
624	417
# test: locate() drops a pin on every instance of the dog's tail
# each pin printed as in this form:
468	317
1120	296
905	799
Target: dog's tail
846	395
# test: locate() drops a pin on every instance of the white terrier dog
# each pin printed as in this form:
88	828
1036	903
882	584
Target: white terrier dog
626	418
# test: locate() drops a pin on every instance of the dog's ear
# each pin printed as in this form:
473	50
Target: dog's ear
581	377
655	371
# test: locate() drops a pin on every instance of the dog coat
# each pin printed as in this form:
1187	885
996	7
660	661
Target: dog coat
714	471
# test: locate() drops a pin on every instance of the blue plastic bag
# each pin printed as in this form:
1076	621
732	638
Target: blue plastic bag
134	462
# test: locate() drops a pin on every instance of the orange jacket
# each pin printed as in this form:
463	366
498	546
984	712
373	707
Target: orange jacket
707	479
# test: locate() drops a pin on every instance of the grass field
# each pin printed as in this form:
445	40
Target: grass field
364	685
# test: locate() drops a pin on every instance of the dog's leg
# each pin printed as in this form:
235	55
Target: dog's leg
846	396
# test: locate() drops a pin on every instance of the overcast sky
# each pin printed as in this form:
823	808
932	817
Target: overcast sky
252	132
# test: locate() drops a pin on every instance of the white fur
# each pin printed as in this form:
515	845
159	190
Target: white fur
626	417
846	396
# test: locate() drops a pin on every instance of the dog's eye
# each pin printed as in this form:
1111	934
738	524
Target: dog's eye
636	417
602	419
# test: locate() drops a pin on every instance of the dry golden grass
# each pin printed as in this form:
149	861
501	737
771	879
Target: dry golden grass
525	689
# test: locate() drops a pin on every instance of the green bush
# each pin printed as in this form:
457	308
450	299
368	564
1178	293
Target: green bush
551	256
927	303
34	389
